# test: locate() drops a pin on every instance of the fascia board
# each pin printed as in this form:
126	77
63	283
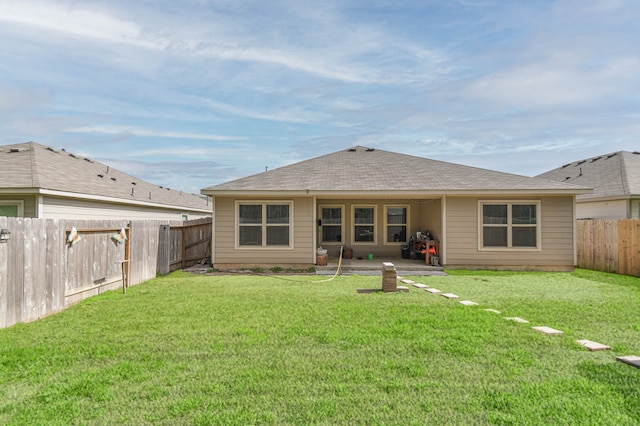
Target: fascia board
64	194
394	194
606	198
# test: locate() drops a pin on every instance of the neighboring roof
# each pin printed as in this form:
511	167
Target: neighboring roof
615	175
359	169
33	167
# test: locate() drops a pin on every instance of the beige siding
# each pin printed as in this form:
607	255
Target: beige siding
616	209
557	247
66	208
30	204
226	253
424	215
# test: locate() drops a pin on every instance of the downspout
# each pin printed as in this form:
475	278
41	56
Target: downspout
213	230
443	243
39	206
314	226
575	228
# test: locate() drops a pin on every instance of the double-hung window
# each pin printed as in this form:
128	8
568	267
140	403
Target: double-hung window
510	224
396	223
364	224
264	224
331	223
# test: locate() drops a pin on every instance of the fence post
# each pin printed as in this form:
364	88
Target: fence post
164	250
183	250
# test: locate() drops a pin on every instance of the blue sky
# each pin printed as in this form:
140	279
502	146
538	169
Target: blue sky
191	93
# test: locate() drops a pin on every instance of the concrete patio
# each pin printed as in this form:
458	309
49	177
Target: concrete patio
374	267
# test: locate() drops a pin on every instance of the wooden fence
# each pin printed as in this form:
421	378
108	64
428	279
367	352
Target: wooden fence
184	244
42	273
609	245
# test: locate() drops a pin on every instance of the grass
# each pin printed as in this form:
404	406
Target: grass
186	349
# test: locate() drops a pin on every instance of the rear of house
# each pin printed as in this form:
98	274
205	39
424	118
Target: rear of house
379	202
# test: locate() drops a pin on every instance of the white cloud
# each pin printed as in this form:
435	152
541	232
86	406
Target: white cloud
74	20
136	131
286	115
342	51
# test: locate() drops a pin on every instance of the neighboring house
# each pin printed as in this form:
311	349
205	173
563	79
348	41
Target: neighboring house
615	179
41	182
372	201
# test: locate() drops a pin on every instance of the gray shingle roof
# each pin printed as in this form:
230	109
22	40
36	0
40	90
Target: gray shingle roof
611	175
366	169
31	166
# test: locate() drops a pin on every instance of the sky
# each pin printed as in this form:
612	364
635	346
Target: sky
191	93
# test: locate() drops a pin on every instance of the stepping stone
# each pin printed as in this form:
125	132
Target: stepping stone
403	288
432	290
593	346
517	319
468	303
418	285
407	282
631	360
493	310
449	295
547	330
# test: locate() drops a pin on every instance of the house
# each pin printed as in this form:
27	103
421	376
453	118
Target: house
41	182
615	179
373	201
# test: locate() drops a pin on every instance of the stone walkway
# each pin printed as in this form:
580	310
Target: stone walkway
631	360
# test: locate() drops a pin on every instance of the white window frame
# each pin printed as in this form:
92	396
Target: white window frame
264	225
342	223
18	203
386	223
510	225
354	224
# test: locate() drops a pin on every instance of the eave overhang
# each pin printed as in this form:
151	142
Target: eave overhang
395	193
104	199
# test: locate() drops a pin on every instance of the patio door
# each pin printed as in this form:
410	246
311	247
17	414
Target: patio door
331	224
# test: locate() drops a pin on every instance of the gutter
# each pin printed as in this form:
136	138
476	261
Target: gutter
74	195
395	193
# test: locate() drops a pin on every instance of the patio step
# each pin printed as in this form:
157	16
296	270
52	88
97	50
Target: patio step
374	267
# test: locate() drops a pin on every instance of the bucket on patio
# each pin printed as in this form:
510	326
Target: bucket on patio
347	253
405	251
370	256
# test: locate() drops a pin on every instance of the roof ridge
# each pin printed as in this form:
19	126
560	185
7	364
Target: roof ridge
36	176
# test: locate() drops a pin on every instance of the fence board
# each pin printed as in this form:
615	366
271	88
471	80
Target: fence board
15	293
54	271
164	249
609	245
629	249
4	276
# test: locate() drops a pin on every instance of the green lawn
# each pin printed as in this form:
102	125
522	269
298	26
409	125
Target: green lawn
186	349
